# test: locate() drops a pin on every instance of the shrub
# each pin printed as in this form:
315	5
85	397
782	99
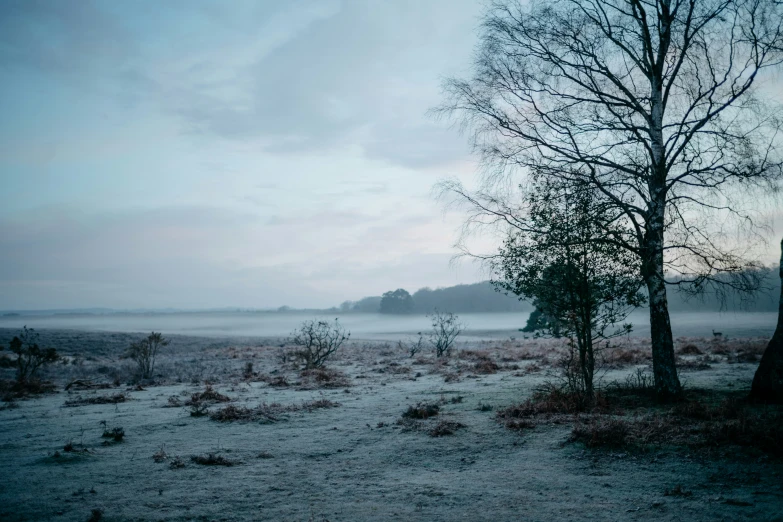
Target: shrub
211	459
318	340
145	351
601	433
324	378
445	329
29	355
445	427
98	399
117	433
421	411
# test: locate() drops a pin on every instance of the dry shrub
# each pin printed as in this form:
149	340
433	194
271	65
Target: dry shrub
601	432
444	428
267	412
208	396
452	377
177	463
474	355
692	424
620	358
116	434
485	367
747	357
10	390
552	399
690	349
99	399
324	378
233	413
160	455
277	382
421	411
210	459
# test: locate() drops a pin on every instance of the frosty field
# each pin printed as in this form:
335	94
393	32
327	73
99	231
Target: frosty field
335	446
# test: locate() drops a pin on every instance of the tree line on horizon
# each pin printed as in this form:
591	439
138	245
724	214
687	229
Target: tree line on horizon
482	297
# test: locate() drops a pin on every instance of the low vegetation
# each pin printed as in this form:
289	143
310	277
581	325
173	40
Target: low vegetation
317	341
145	351
268	412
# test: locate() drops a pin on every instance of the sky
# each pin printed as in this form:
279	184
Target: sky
196	154
199	154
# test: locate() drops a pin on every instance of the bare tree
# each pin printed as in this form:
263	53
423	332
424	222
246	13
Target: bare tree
318	340
445	329
145	351
768	380
652	102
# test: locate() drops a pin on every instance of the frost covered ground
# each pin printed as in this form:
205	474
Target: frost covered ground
358	460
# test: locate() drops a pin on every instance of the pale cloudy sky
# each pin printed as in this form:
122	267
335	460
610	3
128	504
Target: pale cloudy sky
194	153
204	153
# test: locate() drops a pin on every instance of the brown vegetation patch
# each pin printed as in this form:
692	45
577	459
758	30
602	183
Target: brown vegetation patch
12	389
208	396
323	378
550	400
98	399
210	459
267	412
444	428
421	411
485	367
694	424
690	349
620	358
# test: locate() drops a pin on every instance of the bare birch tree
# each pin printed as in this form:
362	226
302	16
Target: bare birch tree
655	103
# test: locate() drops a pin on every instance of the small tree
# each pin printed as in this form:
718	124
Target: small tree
318	340
29	355
582	285
445	329
145	351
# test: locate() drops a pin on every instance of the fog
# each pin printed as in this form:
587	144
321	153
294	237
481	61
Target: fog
376	326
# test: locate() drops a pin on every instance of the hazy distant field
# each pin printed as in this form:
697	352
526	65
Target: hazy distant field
374	326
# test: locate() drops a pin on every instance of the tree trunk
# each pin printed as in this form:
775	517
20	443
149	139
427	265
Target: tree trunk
768	381
667	383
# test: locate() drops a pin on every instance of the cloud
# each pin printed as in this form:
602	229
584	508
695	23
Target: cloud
295	77
192	256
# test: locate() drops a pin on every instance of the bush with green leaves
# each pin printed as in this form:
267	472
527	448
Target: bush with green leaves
583	284
145	351
318	340
29	355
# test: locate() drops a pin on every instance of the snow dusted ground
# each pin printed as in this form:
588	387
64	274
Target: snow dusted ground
353	461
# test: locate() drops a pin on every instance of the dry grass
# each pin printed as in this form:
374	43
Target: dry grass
12	389
694	424
208	396
444	428
210	459
98	399
323	378
267	412
421	411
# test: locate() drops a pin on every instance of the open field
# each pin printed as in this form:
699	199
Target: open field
230	429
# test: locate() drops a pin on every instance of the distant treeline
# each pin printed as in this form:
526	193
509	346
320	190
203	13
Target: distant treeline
474	298
483	298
